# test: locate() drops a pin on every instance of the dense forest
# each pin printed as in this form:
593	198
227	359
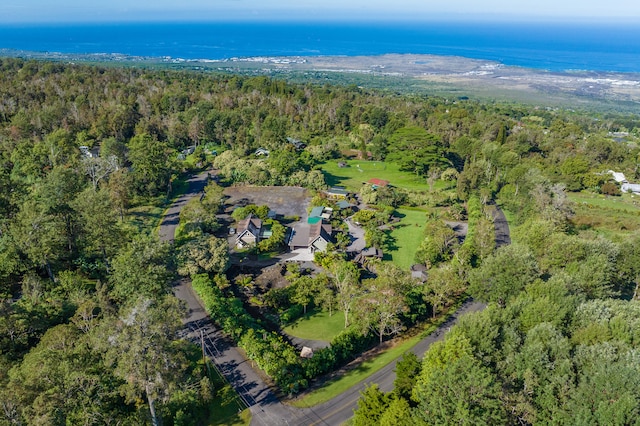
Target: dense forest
89	329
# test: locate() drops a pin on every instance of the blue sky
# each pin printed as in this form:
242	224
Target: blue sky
20	11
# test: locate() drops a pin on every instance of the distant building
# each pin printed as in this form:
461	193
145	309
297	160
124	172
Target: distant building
261	152
298	144
337	193
419	272
378	183
345	205
630	187
618	177
368	253
88	153
318	214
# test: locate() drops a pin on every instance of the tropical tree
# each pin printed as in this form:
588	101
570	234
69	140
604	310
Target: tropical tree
140	347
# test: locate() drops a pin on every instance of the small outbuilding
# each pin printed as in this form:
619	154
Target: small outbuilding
378	183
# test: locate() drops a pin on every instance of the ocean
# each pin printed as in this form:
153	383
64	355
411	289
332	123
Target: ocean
550	46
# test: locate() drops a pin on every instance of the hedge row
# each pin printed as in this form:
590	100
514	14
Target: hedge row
269	350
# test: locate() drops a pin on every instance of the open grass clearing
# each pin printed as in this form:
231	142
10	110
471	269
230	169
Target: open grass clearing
626	202
405	237
317	326
613	217
342	382
145	218
226	408
358	172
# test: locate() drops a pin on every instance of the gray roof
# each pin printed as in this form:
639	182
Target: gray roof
344	204
337	190
316	211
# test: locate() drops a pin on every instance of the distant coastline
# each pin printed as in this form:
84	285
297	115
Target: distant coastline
408	73
550	47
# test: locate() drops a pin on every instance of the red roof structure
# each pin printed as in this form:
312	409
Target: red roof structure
378	182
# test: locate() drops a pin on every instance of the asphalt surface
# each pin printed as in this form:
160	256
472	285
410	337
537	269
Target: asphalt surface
256	394
340	409
266	409
503	236
171	217
356	233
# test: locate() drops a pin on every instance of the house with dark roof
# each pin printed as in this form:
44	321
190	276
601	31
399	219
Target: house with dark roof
345	205
298	144
314	237
367	254
248	231
419	272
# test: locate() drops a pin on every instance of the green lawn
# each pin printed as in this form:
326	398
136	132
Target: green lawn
626	202
613	217
343	382
145	218
353	377
360	171
226	411
406	237
317	326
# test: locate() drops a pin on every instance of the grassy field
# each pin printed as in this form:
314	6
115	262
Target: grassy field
360	171
405	237
344	381
145	218
353	377
317	326
228	413
614	217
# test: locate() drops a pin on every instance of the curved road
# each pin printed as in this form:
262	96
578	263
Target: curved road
256	394
266	409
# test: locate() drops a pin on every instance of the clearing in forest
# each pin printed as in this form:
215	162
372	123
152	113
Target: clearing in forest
356	172
405	237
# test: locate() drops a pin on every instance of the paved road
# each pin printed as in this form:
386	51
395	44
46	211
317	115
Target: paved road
503	236
340	409
265	407
171	217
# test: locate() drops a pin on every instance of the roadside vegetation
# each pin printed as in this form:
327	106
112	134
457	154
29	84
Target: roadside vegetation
90	157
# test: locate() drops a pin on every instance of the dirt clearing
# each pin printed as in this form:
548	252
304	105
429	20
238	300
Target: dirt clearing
284	200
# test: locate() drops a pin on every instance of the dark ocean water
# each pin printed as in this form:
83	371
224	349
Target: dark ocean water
553	47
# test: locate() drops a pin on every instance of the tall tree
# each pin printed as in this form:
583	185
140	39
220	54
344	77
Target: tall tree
503	274
454	388
345	279
143	268
151	161
140	346
383	302
98	221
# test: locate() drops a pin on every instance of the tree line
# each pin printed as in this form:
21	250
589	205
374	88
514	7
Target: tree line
82	286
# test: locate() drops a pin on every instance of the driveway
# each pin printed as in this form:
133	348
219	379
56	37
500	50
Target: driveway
357	236
265	407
